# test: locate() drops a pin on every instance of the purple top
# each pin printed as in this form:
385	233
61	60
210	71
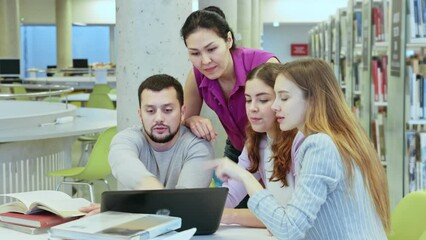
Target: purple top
232	114
237	191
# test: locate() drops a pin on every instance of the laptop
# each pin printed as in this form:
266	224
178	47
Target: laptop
201	208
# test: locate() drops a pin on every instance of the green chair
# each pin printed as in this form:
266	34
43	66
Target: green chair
96	100
101	88
113	91
100	100
96	169
4	89
408	220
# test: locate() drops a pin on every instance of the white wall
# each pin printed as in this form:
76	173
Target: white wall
278	39
83	11
300	11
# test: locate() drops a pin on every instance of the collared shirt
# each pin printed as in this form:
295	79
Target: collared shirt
322	207
232	113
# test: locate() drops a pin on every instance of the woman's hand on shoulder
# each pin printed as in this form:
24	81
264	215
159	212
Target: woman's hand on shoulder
201	127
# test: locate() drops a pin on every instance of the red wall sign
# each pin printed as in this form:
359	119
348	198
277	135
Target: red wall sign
299	49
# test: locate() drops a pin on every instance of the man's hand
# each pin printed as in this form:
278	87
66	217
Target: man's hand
149	183
227	169
93	208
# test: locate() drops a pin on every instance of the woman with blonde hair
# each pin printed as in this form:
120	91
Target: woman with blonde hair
341	189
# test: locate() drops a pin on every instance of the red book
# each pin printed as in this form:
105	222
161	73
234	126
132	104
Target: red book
375	74
39	220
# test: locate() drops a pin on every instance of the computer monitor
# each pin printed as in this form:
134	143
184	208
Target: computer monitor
50	68
10	68
80	63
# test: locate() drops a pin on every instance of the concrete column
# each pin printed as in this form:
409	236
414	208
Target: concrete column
148	42
63	34
229	7
9	29
244	23
256	22
112	44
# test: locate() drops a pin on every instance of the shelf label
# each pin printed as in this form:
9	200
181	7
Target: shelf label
396	30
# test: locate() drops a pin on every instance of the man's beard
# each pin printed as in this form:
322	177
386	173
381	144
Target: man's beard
164	139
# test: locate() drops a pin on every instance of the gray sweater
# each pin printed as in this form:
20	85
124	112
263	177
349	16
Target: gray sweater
183	166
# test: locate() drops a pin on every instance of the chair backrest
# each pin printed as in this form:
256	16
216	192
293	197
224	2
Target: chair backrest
101	88
100	100
423	236
4	89
408	220
97	166
18	89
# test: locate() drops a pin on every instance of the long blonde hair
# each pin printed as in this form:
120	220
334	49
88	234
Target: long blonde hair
328	113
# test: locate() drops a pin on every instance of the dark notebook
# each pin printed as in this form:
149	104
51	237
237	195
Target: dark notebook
201	208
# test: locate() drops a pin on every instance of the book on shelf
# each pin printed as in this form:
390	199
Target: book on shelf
384	77
422	163
39	220
23	229
411	150
56	202
116	225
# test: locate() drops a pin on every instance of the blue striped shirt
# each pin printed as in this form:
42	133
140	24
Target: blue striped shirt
322	205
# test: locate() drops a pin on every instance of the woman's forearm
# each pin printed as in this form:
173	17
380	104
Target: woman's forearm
241	216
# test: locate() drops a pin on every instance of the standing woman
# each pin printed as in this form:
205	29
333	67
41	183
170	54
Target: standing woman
341	189
218	77
268	151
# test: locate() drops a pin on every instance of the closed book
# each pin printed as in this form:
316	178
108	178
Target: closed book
40	220
23	229
116	225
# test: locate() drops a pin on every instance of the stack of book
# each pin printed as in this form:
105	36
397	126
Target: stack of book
35	223
36	211
112	225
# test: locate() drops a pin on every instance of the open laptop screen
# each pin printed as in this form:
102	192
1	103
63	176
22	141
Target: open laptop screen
198	207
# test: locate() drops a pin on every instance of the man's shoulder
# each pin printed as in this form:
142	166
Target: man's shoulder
129	133
188	138
133	130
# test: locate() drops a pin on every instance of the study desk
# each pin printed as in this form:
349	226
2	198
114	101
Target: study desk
224	232
29	151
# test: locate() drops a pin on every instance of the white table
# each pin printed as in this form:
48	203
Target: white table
224	233
84	97
87	120
29	151
77	82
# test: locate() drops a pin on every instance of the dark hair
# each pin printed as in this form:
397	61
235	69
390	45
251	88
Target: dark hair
159	82
281	145
211	18
216	10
